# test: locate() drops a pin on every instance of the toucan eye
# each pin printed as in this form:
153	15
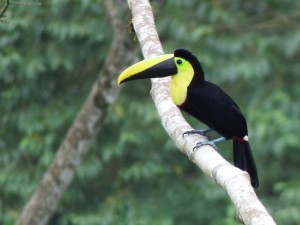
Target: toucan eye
179	61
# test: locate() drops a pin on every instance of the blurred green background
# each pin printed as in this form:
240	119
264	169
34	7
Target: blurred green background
51	54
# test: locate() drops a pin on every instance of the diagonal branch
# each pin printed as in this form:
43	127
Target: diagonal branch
83	131
234	181
4	8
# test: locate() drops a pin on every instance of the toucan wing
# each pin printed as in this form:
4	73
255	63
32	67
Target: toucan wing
212	106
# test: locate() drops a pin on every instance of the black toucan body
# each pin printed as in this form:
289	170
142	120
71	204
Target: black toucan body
201	99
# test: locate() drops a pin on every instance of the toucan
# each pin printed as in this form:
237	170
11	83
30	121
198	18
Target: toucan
201	99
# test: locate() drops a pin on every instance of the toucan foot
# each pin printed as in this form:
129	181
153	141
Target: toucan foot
202	143
211	143
201	132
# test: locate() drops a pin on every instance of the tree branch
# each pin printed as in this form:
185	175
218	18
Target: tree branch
82	132
4	8
234	181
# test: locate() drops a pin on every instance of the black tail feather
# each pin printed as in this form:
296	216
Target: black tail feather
243	159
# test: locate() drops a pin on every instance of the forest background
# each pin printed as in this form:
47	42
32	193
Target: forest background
52	53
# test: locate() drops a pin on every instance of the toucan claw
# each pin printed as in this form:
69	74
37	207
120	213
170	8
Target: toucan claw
202	143
201	132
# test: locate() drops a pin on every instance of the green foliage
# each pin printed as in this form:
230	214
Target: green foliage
47	66
51	54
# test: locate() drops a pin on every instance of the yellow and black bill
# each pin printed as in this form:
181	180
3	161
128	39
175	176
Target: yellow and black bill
160	66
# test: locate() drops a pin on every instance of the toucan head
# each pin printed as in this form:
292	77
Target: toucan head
179	63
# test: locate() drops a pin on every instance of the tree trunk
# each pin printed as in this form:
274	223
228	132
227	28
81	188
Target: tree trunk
83	131
234	181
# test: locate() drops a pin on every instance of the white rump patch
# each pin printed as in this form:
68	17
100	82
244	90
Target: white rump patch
246	138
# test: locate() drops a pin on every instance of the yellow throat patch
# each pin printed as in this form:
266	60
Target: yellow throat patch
181	81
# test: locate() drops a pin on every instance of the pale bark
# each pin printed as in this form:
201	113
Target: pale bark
83	131
234	181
